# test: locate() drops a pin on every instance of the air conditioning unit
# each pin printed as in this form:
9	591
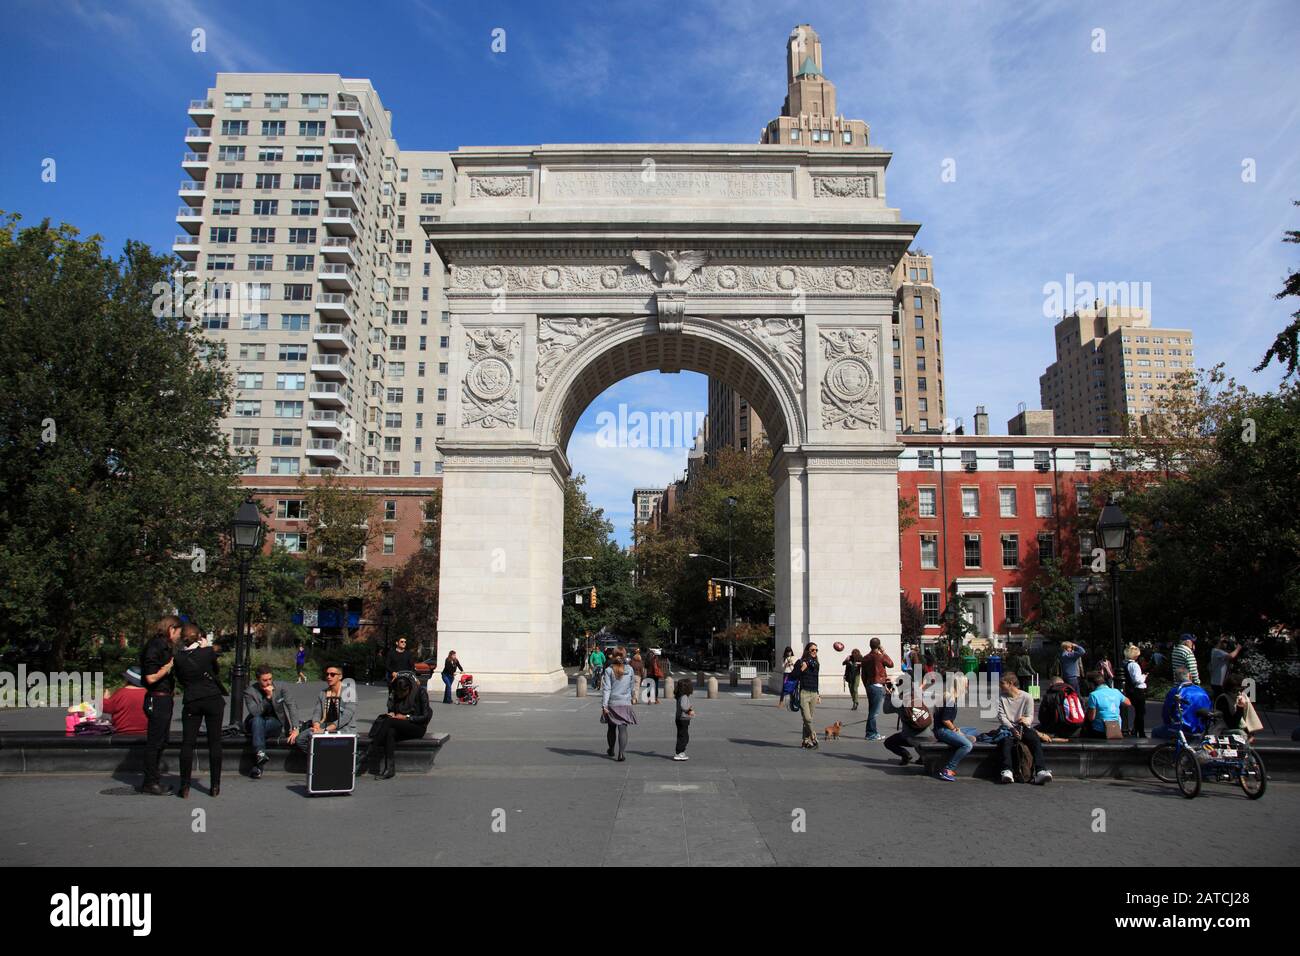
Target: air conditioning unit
1086	466
1040	466
969	465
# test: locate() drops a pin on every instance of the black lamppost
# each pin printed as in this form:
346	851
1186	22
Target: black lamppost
1116	534
246	533
385	587
731	588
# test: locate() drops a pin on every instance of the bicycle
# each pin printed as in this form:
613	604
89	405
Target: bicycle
1211	757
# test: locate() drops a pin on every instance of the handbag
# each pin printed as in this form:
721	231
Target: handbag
1250	721
794	699
377	728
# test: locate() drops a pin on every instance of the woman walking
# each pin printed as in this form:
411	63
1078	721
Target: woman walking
853	675
449	668
300	662
685	712
196	669
787	676
616	703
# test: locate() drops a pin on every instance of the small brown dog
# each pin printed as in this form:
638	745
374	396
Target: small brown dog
833	731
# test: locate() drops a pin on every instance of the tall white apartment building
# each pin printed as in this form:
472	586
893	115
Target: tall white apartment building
303	214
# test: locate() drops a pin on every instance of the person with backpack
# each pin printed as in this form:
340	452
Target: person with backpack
1182	708
915	719
1015	720
1060	713
853	675
1135	687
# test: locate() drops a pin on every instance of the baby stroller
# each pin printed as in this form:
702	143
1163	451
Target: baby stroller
467	693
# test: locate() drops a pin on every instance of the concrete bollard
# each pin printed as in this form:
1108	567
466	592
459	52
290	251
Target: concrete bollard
582	686
713	687
670	686
756	688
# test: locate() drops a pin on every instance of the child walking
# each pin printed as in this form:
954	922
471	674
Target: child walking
684	714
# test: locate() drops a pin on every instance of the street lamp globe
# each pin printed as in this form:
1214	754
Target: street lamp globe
1091	597
1113	529
247	528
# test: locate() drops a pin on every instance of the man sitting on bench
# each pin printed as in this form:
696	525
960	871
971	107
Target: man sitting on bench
270	714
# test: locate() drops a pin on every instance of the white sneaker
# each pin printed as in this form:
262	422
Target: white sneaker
1006	777
1043	777
680	757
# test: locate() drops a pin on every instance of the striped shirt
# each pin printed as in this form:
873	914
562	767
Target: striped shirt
1185	659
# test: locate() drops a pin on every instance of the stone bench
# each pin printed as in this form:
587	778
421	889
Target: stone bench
55	752
1099	759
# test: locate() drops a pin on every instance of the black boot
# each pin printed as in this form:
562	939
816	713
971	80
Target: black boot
390	770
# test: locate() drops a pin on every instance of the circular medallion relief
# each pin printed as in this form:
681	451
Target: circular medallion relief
850	379
609	278
727	278
494	278
490	379
785	278
844	278
551	278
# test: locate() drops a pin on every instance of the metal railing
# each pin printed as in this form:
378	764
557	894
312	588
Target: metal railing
200	104
198	132
190	157
186	240
193	186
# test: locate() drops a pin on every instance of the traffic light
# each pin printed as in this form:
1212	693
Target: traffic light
710	590
593	599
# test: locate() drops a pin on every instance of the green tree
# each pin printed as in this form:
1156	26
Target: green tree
112	460
620	606
1286	347
1052	613
341	526
413	599
913	621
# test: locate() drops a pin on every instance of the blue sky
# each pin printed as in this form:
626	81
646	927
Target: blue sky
1123	165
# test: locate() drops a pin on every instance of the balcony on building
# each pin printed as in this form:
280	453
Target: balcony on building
336	276
190	218
198	137
342	194
346	141
333	335
340	221
327	393
193	191
202	112
346	112
338	249
326	421
331	365
326	450
346	166
333	305
187	247
196	164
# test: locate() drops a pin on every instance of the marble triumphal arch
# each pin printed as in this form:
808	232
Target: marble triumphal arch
571	267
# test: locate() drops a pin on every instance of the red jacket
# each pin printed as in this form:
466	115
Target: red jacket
125	707
873	667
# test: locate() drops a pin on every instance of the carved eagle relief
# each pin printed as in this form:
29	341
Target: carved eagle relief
674	267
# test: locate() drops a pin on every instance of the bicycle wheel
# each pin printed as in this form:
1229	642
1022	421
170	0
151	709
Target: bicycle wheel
1162	763
1252	779
1188	772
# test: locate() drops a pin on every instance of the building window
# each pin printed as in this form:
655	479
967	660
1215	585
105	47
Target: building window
1011	600
244	437
1083	460
929	552
1042	502
971	550
1006	460
294	541
930	608
1010	550
970	502
290	381
1046	546
969	461
390	543
920	322
925	502
925	459
920	343
1007	502
1085	549
1042	461
284	466
290	509
1082	497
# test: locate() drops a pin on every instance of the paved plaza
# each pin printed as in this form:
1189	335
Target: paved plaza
525	780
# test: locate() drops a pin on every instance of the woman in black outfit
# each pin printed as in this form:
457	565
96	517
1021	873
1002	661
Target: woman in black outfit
399	659
407	718
196	669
